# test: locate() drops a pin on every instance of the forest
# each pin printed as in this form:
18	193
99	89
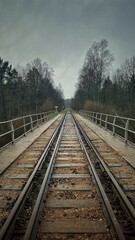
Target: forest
29	89
98	89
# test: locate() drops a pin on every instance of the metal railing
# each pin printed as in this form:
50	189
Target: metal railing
13	129
120	126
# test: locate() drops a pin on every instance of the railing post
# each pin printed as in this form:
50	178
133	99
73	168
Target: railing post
114	120
126	130
92	116
31	123
96	117
45	116
37	120
24	126
41	118
106	122
13	132
101	120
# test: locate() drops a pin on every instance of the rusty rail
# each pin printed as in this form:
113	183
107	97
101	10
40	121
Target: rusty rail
8	226
123	198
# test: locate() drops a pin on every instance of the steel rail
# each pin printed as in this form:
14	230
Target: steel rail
30	233
127	205
105	199
122	195
8	226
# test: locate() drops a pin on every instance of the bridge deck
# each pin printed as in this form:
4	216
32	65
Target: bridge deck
126	151
11	152
8	155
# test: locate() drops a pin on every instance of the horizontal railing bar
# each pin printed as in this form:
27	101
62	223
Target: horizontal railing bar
28	120
109	115
117	122
36	114
3	134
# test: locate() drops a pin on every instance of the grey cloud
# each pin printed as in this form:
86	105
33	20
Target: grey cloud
61	31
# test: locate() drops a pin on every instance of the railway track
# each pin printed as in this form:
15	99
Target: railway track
117	177
120	171
14	177
72	195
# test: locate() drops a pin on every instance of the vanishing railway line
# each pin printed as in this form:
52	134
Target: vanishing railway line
72	192
15	177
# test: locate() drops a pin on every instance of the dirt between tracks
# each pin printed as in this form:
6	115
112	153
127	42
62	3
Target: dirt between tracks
72	181
71	170
71	236
92	194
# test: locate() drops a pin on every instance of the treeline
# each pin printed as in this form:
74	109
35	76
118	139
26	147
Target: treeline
97	91
28	89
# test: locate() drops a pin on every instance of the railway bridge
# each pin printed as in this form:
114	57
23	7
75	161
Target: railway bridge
67	176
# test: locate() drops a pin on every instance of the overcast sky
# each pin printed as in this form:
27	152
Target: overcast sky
61	31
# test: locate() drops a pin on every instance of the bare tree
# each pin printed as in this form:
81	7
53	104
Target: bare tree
97	63
95	69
